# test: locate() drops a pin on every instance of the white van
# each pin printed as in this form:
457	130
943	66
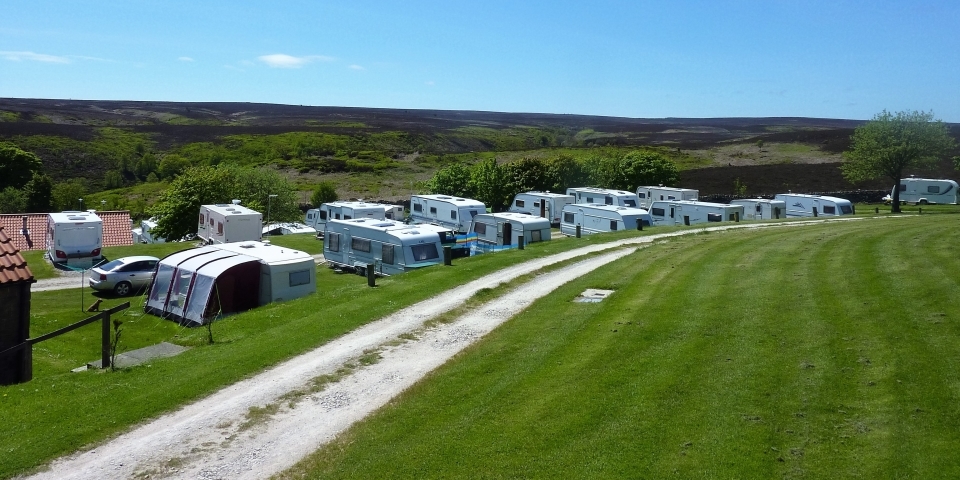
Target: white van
922	191
598	218
761	208
503	230
683	212
390	246
648	195
455	213
542	204
74	238
604	196
802	205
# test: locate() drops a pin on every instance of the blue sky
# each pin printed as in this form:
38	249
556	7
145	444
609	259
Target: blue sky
833	59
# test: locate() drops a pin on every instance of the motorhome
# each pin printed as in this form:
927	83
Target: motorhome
74	238
392	247
922	191
145	234
685	212
455	213
228	223
604	196
762	208
345	210
803	205
599	218
504	230
648	195
542	204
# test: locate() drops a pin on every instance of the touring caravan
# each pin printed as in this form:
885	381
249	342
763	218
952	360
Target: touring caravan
542	204
761	208
74	238
802	205
604	196
684	212
345	210
922	191
228	223
648	195
503	230
454	213
598	218
392	247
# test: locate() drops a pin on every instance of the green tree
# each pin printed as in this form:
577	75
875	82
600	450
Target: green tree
13	200
67	195
146	165
639	168
527	174
112	179
488	184
17	166
892	142
564	171
451	180
602	171
760	145
324	193
172	165
39	192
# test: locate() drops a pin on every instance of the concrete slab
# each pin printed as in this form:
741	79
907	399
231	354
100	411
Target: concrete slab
141	355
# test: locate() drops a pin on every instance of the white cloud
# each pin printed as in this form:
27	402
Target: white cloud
356	67
92	59
36	57
282	60
185	59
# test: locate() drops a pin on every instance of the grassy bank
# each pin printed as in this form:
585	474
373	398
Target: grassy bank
820	352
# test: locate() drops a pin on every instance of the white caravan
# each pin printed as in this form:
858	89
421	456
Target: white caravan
75	238
604	196
228	223
390	246
648	195
455	213
802	205
598	218
146	234
761	208
683	212
922	191
542	204
505	229
345	210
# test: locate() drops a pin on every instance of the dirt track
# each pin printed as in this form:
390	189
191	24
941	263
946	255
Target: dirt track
214	437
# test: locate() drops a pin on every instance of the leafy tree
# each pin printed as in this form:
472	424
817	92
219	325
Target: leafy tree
525	175
172	165
640	168
602	171
112	179
17	166
146	165
892	142
324	193
13	200
488	184
452	180
39	192
760	144
564	171
67	195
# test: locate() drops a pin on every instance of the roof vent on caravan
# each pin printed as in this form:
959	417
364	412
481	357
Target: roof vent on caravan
443	197
236	201
76	218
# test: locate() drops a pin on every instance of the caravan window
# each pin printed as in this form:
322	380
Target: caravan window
629	203
386	253
642	195
424	251
613	225
480	228
567	217
903	187
433	210
360	244
846	209
657	212
520	203
829	210
347	217
535	236
201	219
933	188
453	214
219	228
333	242
417	207
607	201
300	277
714	217
336	216
589	199
323	214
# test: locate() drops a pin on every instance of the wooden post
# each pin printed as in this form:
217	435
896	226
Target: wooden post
447	255
640	224
876	210
371	276
520	241
105	341
578	231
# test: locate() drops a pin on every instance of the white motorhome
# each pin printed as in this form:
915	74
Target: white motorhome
146	232
454	213
648	195
392	247
922	191
684	212
542	204
345	210
762	208
503	230
228	223
74	238
599	218
802	205
604	196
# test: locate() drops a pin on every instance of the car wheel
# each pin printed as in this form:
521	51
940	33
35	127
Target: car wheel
122	289
922	202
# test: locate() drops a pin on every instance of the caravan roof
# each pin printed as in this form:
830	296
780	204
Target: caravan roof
266	252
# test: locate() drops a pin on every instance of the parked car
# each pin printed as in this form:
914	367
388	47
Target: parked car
124	276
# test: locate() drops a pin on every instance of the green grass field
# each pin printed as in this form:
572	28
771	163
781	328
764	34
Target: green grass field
816	352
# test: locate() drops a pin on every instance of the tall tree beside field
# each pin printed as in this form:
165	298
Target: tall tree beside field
564	171
13	200
451	180
488	181
639	168
17	166
893	142
39	192
67	195
525	175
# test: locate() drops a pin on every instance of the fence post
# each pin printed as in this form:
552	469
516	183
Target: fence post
640	224
371	276
447	255
105	341
520	240
578	231
876	210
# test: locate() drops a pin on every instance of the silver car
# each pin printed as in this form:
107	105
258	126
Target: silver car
124	276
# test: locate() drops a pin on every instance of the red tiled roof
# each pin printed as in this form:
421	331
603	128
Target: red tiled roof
116	229
13	268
